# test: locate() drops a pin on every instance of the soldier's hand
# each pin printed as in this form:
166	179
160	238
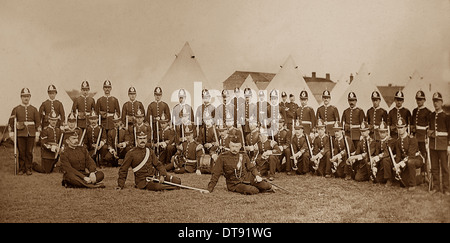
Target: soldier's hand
258	178
161	179
87	180
93	177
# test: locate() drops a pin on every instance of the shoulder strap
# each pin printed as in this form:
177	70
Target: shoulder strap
147	155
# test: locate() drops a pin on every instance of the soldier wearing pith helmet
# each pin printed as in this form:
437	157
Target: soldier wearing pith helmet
419	123
328	113
305	113
50	105
83	105
398	112
155	109
130	108
28	128
107	106
439	134
375	115
352	118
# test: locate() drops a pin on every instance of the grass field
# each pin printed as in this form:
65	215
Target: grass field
41	198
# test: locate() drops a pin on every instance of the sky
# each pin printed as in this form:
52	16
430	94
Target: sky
135	41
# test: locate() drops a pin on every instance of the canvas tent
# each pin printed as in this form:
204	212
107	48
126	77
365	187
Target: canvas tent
362	86
185	72
290	79
340	87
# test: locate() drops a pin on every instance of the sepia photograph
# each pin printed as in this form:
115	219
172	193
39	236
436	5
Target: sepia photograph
237	114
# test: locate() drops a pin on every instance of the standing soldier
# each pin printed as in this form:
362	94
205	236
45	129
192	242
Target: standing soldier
182	113
321	152
283	102
343	148
144	164
50	145
439	134
352	119
305	114
408	157
375	115
238	103
262	108
155	110
130	108
398	112
225	109
327	113
79	168
248	110
290	110
117	143
204	111
300	150
366	149
107	106
276	109
83	105
28	130
95	139
419	125
52	104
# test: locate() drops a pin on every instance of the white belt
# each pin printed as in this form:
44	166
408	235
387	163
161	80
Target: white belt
191	161
306	122
110	114
354	126
441	133
28	123
330	122
421	127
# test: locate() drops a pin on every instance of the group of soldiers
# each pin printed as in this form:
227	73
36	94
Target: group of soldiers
249	143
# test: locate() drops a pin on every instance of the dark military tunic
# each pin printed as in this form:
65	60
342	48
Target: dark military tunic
83	106
393	116
407	147
352	119
374	118
46	109
129	109
329	115
107	106
133	158
363	163
306	117
239	173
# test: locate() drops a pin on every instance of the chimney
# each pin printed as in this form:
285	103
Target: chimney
351	77
313	75
327	76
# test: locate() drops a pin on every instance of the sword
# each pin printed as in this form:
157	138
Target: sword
273	184
148	179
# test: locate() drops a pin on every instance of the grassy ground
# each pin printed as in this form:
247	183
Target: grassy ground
41	198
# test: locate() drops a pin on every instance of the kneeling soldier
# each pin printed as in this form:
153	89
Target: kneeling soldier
300	150
241	175
50	145
187	158
343	148
78	166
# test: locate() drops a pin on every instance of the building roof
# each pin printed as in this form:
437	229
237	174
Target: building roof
238	77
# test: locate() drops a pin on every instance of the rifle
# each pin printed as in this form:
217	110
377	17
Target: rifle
81	139
157	140
333	165
428	164
347	151
135	136
148	179
59	146
369	157
15	146
97	143
116	141
197	171
397	170
310	149
292	148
